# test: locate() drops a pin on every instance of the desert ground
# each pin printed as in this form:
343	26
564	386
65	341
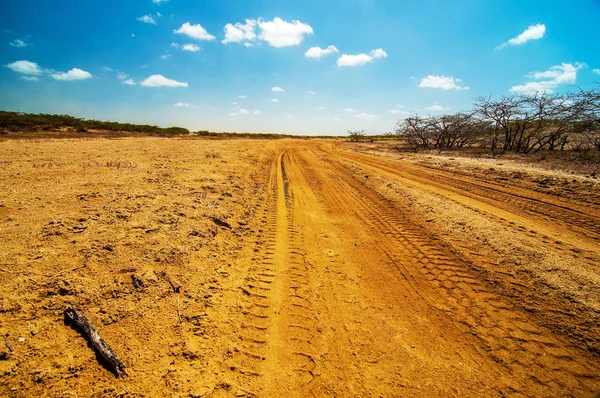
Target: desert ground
294	268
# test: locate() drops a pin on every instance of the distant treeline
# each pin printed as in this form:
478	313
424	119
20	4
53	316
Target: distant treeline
28	122
17	122
524	123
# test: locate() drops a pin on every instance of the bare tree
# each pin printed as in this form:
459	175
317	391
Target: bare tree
356	135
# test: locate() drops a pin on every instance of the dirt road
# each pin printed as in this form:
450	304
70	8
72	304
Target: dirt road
349	275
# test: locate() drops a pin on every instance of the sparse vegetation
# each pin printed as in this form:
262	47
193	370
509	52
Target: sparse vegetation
515	123
356	135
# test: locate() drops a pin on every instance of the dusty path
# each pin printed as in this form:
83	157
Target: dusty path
305	270
353	298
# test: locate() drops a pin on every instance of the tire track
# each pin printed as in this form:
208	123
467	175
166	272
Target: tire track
581	220
544	362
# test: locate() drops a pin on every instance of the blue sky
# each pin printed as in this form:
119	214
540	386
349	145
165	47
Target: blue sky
303	67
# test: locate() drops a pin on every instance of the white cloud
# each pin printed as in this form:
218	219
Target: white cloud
129	82
596	71
318	52
148	18
436	108
534	32
366	116
73	74
274	100
30	78
240	32
256	112
548	81
186	47
349	110
378	53
106	69
441	82
190	47
183	105
360	59
277	89
398	112
280	33
194	31
248	44
18	43
310	93
354	60
161	81
121	76
165	56
159	1
242	97
25	67
321	108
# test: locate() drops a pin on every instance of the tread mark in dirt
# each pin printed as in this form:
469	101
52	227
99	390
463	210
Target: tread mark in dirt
508	333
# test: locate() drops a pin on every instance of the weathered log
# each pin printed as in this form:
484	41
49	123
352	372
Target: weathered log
97	342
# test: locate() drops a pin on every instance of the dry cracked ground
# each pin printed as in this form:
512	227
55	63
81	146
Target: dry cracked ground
294	268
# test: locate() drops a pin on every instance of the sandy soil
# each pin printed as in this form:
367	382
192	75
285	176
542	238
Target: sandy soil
294	268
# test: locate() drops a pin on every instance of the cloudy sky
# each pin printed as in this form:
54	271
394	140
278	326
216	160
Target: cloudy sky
306	67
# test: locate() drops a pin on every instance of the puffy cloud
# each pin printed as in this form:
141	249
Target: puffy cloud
194	31
25	67
242	97
148	18
280	33
129	82
161	81
436	108
349	110
365	116
378	53
274	100
441	82
354	60
596	71
256	112
534	32
73	74
159	1
277	89
310	93
546	82
187	47
183	105
318	52
240	32
360	59
18	43
190	47
248	44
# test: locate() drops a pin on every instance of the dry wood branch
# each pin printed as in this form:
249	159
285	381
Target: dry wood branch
97	342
